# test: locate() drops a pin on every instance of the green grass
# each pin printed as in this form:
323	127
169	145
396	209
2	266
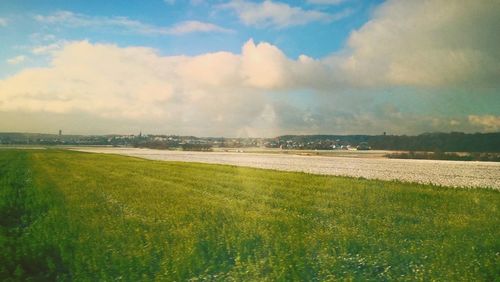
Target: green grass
86	217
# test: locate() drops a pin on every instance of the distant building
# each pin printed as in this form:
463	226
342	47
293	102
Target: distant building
60	132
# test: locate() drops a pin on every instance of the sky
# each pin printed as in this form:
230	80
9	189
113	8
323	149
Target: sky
242	68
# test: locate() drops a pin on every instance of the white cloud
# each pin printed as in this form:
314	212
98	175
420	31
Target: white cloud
195	26
42	37
70	19
78	79
136	84
48	49
3	22
325	2
426	43
220	93
421	44
264	65
486	122
16	60
410	43
197	2
275	14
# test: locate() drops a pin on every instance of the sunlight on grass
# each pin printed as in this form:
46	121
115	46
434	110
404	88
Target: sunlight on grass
77	216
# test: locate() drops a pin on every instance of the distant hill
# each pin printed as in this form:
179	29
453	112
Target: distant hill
446	142
430	142
16	138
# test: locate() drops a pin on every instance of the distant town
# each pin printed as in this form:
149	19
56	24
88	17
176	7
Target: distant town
445	142
172	141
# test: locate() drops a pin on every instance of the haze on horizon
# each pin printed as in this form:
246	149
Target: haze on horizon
250	68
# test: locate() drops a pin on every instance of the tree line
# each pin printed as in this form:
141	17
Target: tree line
429	142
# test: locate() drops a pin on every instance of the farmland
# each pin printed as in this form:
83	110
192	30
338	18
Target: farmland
364	164
79	216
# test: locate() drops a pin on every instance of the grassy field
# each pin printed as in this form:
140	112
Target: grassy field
77	216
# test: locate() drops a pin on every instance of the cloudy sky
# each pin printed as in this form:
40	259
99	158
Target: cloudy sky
249	68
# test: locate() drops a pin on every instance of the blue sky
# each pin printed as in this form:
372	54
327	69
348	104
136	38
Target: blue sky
271	67
293	40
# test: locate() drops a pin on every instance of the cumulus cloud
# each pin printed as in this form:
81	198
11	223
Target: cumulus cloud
16	60
276	14
430	45
212	91
407	43
82	70
70	19
486	122
86	77
426	43
219	92
266	66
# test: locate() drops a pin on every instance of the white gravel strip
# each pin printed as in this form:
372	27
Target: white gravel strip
446	173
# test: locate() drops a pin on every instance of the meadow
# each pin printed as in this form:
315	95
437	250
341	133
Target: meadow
359	165
68	215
